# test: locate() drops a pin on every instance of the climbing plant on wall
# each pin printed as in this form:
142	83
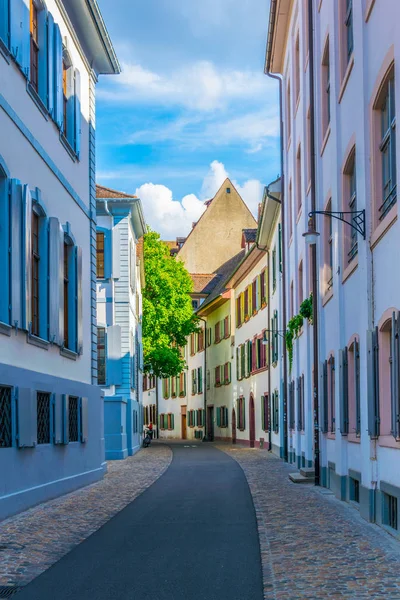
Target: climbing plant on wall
295	324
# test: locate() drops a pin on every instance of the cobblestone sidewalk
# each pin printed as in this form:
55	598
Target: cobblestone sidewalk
312	545
34	540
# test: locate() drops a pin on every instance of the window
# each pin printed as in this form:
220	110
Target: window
166	392
170	421
274	269
241	413
288	122
195	304
5	417
34	72
263	288
297	69
300	283
208	379
300	403
100	254
265	412
350	204
227	332
331	395
275	411
222	417
194	381
353	382
65	97
328	270
101	355
35	274
200	380
349	29
326	90
309	157
182	385
290	210
238	311
291	406
227	373
387	148
217	334
217	376
43	418
274	335
291	307
173	387
66	294
228	190
200	417
200	340
354	491
390	514
246	303
73	419
298	179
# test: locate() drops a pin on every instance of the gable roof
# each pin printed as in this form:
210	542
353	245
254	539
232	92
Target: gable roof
249	235
105	192
204	283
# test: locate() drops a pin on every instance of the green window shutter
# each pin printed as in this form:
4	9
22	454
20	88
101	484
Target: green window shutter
274	268
226	417
280	246
229	372
172	421
237	363
218	417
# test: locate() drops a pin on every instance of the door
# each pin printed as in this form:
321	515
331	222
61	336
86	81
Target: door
233	426
252	422
183	426
210	423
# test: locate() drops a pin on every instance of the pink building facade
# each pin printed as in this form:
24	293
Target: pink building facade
339	90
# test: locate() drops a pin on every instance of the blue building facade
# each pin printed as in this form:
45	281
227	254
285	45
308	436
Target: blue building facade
120	276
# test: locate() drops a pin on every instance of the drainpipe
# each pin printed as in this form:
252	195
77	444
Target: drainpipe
284	321
314	249
157	423
205	380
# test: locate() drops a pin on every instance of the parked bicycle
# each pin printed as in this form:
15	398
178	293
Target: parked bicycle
148	435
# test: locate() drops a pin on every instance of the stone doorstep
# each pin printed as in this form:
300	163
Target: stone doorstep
308	472
298	478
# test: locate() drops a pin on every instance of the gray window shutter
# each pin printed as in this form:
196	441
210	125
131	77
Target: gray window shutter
58	77
394	373
56	283
77	110
114	360
324	394
4	250
27	256
373	383
65	419
16	257
43	56
79	314
50	64
116	253
27	418
357	385
83	413
58	418
343	390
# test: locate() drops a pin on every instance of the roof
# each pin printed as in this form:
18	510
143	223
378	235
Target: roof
106	192
204	283
224	276
250	235
279	19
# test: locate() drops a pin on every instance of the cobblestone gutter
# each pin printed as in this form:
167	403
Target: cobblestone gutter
312	545
34	540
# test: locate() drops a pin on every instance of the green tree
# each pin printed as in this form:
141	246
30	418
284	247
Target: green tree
167	309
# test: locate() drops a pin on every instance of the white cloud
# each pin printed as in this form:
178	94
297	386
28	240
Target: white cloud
172	218
199	86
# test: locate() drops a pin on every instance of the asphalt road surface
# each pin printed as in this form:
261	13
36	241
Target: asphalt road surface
192	535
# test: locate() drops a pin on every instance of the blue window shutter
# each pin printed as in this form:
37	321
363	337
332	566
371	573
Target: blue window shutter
4	249
114	360
58	418
27	418
116	253
56	283
78	299
25	37
16	253
70	134
20	33
50	64
5	21
43	278
77	98
65	419
27	256
83	414
58	83
43	57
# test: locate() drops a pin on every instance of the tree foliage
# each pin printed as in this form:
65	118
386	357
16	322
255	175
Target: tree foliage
167	309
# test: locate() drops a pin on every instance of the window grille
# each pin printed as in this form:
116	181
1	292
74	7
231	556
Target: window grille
73	419
43	418
390	515
5	418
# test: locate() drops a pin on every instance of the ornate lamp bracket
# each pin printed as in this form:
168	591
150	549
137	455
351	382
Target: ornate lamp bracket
356	219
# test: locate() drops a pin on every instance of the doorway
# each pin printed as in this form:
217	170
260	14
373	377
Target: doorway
233	426
252	422
210	423
183	426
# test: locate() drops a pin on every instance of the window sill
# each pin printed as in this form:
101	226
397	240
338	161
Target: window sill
5	329
368	10
354	438
388	441
331	436
297	105
300	212
68	147
349	270
325	140
4	51
37	100
37	341
308	188
383	226
68	353
289	141
346	77
319	5
327	297
291	239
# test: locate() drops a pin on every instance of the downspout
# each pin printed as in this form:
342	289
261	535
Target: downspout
205	379
157	424
314	249
284	322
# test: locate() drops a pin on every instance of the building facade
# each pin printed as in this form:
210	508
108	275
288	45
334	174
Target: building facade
51	411
339	87
120	278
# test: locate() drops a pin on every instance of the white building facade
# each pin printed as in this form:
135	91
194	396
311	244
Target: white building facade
346	110
51	410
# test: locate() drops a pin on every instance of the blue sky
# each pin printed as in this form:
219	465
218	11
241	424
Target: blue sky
191	106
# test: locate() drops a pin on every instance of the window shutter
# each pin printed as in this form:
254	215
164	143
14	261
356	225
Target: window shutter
58	418
58	77
116	252
226	417
20	33
70	133
395	413
43	56
65	419
56	284
243	413
83	414
373	383
50	64
114	361
172	421
4	250
77	110
343	387
16	261
246	359
218	417
27	418
4	21
280	246
27	255
229	372
324	403
78	300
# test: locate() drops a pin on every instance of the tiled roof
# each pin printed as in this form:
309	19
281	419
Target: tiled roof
204	283
105	192
250	235
224	273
